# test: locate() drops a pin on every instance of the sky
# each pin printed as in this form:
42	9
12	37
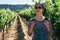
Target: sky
17	2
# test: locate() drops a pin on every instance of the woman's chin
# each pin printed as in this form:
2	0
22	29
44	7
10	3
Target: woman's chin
38	12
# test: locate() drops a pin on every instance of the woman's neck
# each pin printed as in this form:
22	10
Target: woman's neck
39	16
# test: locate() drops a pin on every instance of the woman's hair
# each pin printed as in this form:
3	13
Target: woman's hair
39	4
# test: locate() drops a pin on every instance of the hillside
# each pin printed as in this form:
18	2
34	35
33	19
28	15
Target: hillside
14	7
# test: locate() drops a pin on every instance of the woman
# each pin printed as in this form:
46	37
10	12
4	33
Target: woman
40	26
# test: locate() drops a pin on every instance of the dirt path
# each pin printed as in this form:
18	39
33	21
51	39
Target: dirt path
16	31
25	28
13	30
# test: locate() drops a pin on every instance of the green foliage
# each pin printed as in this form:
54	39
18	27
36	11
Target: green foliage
52	12
6	16
27	13
37	0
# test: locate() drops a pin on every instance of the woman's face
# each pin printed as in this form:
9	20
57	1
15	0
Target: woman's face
38	9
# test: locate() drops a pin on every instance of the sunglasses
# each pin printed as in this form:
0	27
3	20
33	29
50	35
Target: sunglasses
38	7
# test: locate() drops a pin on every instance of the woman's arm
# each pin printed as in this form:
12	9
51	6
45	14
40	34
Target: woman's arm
48	27
30	30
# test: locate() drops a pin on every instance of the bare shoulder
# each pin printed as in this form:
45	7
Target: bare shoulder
32	19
